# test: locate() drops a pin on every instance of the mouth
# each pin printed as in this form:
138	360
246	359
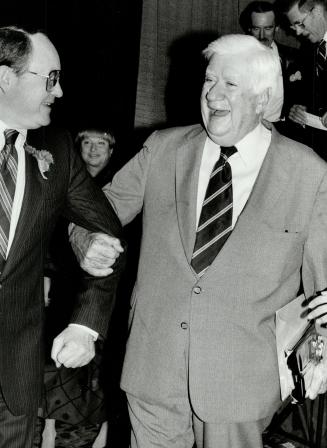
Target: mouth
48	104
220	112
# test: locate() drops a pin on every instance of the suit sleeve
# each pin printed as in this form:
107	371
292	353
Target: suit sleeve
314	272
127	189
87	206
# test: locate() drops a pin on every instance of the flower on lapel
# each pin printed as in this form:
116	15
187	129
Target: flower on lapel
296	76
44	158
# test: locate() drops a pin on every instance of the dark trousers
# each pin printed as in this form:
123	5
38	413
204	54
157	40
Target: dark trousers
16	431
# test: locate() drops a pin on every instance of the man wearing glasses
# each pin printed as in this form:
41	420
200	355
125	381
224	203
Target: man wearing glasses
308	19
36	186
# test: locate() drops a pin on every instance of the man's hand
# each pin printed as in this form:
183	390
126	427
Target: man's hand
297	115
96	252
73	347
317	308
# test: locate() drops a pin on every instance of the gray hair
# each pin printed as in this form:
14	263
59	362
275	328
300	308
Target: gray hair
262	62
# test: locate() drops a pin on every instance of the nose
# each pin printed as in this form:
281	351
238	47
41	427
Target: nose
57	90
215	92
261	34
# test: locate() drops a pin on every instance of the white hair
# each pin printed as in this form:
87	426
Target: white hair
262	63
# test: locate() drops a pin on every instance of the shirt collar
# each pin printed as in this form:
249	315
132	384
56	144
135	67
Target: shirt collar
21	136
253	147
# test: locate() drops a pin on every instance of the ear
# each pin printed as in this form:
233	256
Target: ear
6	78
262	100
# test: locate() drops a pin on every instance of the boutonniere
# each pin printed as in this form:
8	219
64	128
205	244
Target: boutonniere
296	76
44	158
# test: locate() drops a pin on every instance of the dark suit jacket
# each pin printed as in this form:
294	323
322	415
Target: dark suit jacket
68	190
230	311
310	91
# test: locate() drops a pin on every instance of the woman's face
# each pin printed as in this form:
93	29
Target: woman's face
95	150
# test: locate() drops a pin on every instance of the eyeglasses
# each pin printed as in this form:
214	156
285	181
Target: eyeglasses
52	78
300	23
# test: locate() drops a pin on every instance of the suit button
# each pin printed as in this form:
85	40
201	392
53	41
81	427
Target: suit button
184	325
197	289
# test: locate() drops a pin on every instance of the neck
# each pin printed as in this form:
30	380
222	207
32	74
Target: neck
93	170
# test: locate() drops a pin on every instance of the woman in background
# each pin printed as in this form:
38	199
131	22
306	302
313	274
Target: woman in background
74	396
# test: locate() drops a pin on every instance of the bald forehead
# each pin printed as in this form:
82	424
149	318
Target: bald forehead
44	52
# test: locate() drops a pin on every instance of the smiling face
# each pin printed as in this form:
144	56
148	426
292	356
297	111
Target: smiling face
230	110
95	150
27	102
263	27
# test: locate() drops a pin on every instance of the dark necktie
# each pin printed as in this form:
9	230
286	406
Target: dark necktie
321	57
8	174
215	223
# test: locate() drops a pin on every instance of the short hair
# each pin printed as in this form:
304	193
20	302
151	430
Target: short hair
256	6
15	48
263	63
285	5
104	133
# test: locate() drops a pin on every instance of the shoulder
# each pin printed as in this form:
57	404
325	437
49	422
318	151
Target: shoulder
176	135
298	155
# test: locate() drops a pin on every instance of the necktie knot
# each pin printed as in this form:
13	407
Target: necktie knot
10	136
227	151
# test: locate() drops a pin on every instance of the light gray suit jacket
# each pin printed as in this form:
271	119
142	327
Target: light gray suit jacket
279	238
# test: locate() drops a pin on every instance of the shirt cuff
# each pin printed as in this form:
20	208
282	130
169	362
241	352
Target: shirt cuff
93	333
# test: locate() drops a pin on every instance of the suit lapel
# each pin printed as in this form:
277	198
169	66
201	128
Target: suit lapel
272	181
188	160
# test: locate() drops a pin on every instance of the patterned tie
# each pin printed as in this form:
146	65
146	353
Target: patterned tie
215	222
8	174
321	57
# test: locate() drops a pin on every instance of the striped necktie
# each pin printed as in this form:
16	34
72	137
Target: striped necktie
215	223
8	174
321	57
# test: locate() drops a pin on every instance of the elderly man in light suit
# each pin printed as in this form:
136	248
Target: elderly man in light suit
201	362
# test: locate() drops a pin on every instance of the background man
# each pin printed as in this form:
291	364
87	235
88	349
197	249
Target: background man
234	214
260	20
308	18
35	187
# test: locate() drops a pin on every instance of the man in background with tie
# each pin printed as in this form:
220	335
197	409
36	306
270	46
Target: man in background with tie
234	219
36	185
308	18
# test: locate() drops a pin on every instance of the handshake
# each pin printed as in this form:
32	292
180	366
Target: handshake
95	252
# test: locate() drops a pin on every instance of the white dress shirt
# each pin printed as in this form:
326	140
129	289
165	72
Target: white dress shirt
245	165
20	181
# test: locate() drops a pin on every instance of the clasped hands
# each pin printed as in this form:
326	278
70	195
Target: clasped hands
95	252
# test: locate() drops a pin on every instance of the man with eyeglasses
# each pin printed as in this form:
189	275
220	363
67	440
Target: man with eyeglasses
308	19
36	186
